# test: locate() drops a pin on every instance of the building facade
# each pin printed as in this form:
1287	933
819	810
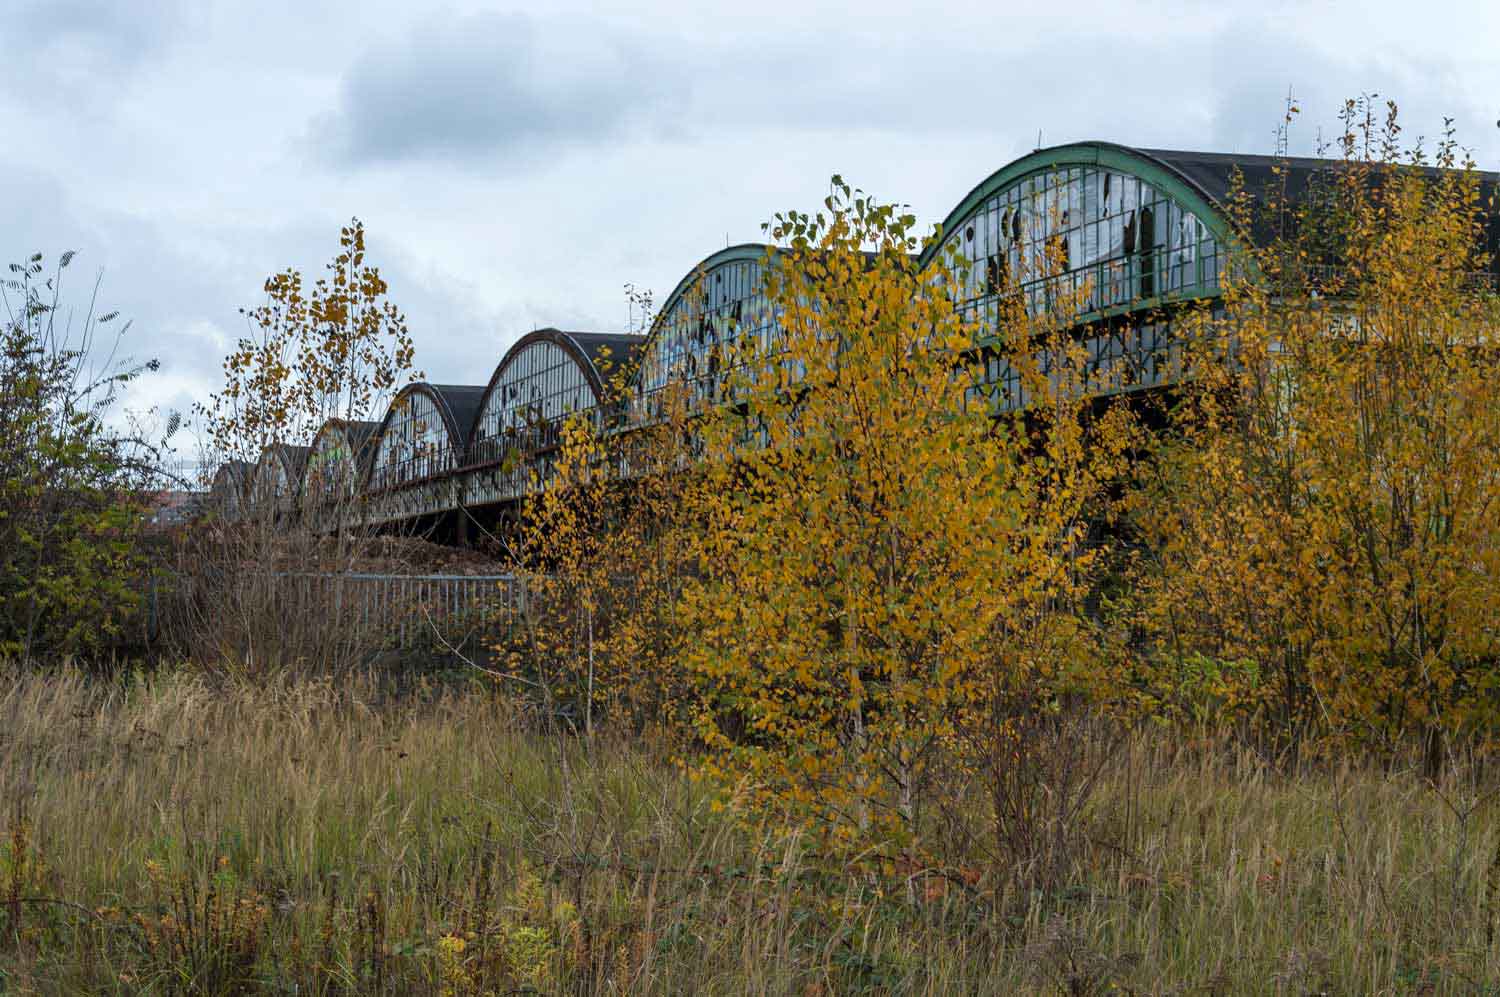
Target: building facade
1112	241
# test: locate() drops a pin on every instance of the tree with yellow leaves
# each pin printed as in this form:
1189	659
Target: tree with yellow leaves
336	350
603	549
314	350
568	553
1321	516
883	557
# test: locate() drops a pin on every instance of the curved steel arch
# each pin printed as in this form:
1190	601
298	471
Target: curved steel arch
1108	155
291	458
557	337
293	462
744	253
564	341
230	488
544	377
445	398
358	437
1127	296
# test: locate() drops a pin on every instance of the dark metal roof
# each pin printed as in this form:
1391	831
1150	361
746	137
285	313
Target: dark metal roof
362	437
232	476
293	458
1213	172
598	354
360	431
612	349
359	434
237	470
459	404
356	432
293	461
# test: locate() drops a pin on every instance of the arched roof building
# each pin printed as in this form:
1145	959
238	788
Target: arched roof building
1110	241
545	377
712	309
421	442
1111	236
1121	237
229	493
277	480
337	461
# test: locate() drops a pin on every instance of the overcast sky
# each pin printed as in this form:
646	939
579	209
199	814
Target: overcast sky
516	165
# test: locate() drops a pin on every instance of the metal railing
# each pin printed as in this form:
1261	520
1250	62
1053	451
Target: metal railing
408	468
416	609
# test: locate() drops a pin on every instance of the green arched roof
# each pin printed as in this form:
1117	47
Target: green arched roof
745	252
1151	167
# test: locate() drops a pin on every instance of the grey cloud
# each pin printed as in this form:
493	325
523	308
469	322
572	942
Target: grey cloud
70	66
109	24
180	289
496	86
79	45
485	84
459	340
1250	86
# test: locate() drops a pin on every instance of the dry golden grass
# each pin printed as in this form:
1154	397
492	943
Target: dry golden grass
323	838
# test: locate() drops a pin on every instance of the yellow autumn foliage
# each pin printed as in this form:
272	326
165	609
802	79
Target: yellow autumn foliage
857	587
882	557
1322	510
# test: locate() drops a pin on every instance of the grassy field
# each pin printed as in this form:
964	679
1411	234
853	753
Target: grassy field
182	836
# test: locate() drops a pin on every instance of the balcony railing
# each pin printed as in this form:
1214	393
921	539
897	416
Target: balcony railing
412	468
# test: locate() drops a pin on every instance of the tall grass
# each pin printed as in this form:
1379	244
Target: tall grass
180	835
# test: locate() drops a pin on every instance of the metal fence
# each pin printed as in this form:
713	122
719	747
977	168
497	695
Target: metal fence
417	609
